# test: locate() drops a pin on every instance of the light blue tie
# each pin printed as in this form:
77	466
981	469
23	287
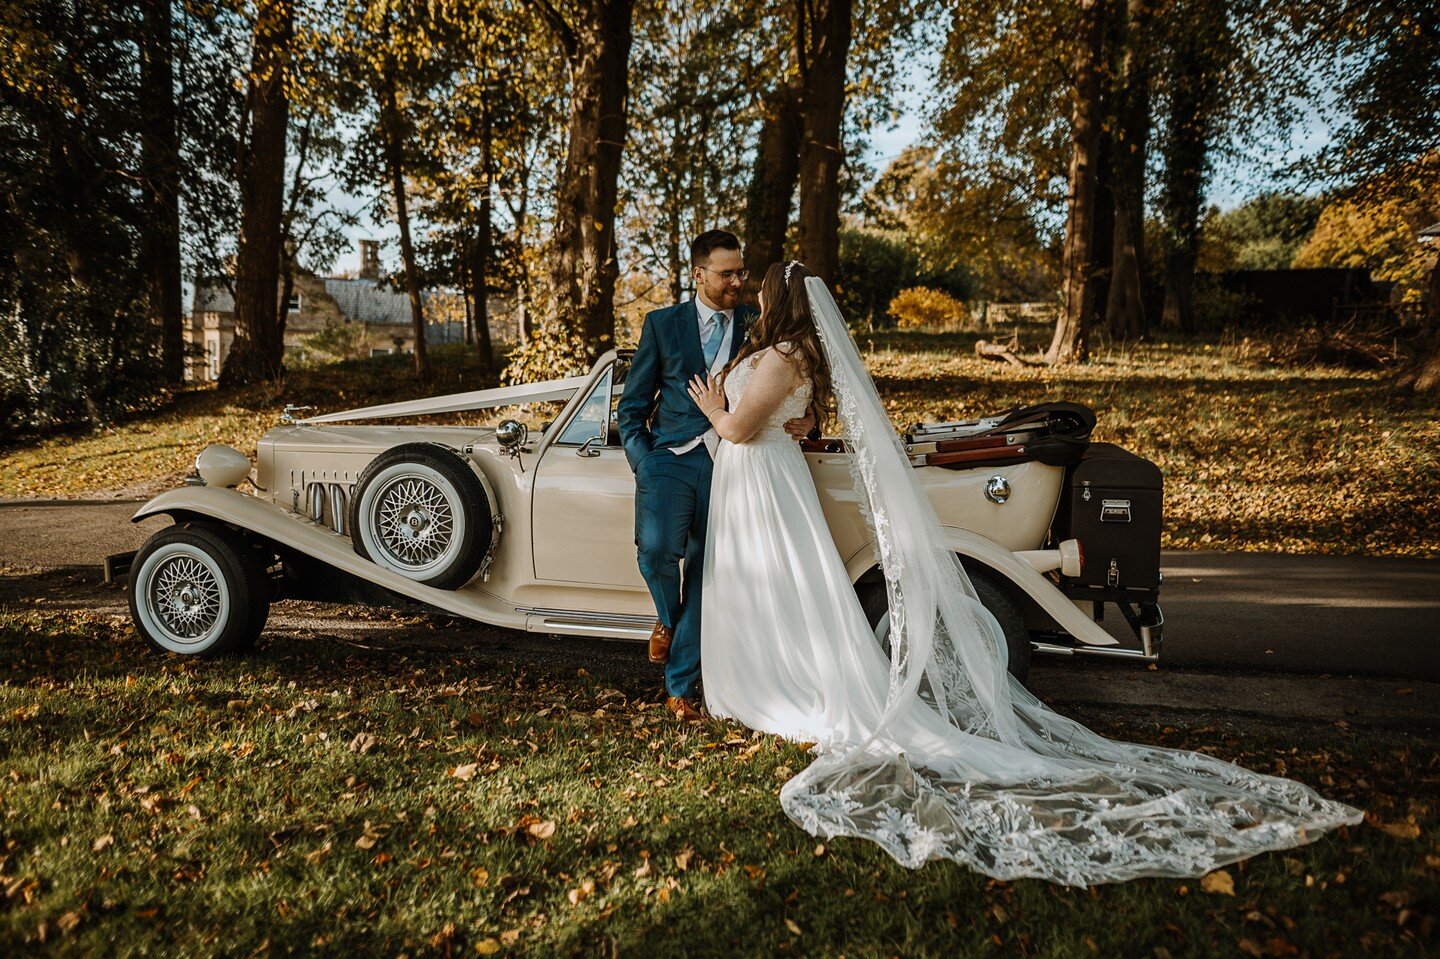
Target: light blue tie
712	345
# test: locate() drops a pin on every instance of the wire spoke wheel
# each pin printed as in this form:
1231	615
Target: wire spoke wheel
185	595
415	520
419	510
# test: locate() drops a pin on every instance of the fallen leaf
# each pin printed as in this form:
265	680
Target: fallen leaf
465	772
682	861
1218	882
481	875
1399	830
363	743
794	929
487	947
103	843
370	835
510	936
541	830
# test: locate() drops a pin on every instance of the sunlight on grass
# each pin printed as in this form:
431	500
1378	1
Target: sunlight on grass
319	799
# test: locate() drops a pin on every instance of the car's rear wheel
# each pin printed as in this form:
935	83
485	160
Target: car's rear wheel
420	510
199	589
876	603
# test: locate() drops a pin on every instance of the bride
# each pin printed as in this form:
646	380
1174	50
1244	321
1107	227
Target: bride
937	752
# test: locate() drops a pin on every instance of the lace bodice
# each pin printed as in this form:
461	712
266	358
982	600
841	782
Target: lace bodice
792	407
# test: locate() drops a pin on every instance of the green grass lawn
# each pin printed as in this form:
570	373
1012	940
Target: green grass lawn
1256	457
323	799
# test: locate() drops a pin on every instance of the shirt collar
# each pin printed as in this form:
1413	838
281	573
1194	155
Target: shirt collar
705	310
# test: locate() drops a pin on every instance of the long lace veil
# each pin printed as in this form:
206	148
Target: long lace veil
1016	789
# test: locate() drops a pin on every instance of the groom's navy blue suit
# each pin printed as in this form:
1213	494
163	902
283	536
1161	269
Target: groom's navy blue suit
672	493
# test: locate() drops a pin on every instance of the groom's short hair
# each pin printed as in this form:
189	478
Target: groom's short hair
708	242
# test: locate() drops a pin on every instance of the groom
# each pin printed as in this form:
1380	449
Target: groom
671	448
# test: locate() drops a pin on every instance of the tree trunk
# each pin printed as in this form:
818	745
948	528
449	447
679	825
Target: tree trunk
772	185
160	171
392	136
1071	340
1125	306
1186	162
482	251
258	351
823	111
583	269
1424	374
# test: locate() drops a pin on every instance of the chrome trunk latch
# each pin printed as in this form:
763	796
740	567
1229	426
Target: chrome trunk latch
1112	575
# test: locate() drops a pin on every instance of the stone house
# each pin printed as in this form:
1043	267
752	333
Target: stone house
318	302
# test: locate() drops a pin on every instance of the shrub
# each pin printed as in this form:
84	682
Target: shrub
920	306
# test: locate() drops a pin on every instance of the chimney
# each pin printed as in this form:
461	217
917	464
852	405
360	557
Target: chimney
369	260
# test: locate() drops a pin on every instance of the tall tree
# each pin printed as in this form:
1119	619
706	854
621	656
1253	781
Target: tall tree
823	51
160	175
596	40
1080	268
1125	306
1389	76
258	350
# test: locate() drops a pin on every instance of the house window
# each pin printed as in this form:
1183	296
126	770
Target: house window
375	351
212	358
293	304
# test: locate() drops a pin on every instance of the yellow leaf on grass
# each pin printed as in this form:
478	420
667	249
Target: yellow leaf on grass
541	830
1399	830
682	861
487	947
794	929
465	772
103	843
1218	882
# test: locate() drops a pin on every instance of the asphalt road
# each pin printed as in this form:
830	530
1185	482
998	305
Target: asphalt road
1348	615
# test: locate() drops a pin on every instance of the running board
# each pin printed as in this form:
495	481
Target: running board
575	622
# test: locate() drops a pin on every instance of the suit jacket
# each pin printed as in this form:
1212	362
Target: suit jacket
655	410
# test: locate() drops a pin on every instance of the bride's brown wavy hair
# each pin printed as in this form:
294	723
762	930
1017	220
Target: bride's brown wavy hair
786	318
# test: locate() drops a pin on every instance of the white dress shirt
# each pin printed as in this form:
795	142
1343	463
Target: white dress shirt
710	438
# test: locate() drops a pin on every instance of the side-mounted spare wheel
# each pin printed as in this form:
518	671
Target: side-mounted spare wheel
199	589
876	603
420	510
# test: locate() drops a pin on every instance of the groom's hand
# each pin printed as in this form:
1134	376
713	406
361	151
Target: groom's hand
799	428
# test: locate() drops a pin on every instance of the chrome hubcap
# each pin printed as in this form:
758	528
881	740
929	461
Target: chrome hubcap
415	521
185	596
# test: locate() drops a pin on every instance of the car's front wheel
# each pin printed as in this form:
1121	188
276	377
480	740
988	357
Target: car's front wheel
876	603
199	589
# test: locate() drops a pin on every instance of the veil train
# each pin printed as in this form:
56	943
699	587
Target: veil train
1017	790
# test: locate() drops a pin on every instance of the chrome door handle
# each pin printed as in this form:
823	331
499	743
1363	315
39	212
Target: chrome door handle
585	448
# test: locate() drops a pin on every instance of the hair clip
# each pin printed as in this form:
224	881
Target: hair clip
788	267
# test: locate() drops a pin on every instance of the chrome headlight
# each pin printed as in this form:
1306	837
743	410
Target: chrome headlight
511	434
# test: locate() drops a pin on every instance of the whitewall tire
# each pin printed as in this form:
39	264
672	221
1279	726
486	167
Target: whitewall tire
199	589
420	511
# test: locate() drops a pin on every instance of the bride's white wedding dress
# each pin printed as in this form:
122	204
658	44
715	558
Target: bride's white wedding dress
937	752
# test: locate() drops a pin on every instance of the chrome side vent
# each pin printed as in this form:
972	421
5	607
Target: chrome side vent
338	511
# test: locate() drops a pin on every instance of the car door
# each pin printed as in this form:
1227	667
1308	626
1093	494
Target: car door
583	507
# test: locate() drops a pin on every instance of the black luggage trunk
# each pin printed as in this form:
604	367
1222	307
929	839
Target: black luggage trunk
1112	505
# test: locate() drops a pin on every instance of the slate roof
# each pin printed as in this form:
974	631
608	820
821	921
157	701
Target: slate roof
362	301
359	300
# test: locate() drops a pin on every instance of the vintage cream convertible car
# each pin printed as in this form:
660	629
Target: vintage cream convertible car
536	532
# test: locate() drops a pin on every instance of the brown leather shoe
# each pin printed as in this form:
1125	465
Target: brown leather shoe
660	638
682	709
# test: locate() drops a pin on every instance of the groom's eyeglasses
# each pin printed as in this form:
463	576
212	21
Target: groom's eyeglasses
729	275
